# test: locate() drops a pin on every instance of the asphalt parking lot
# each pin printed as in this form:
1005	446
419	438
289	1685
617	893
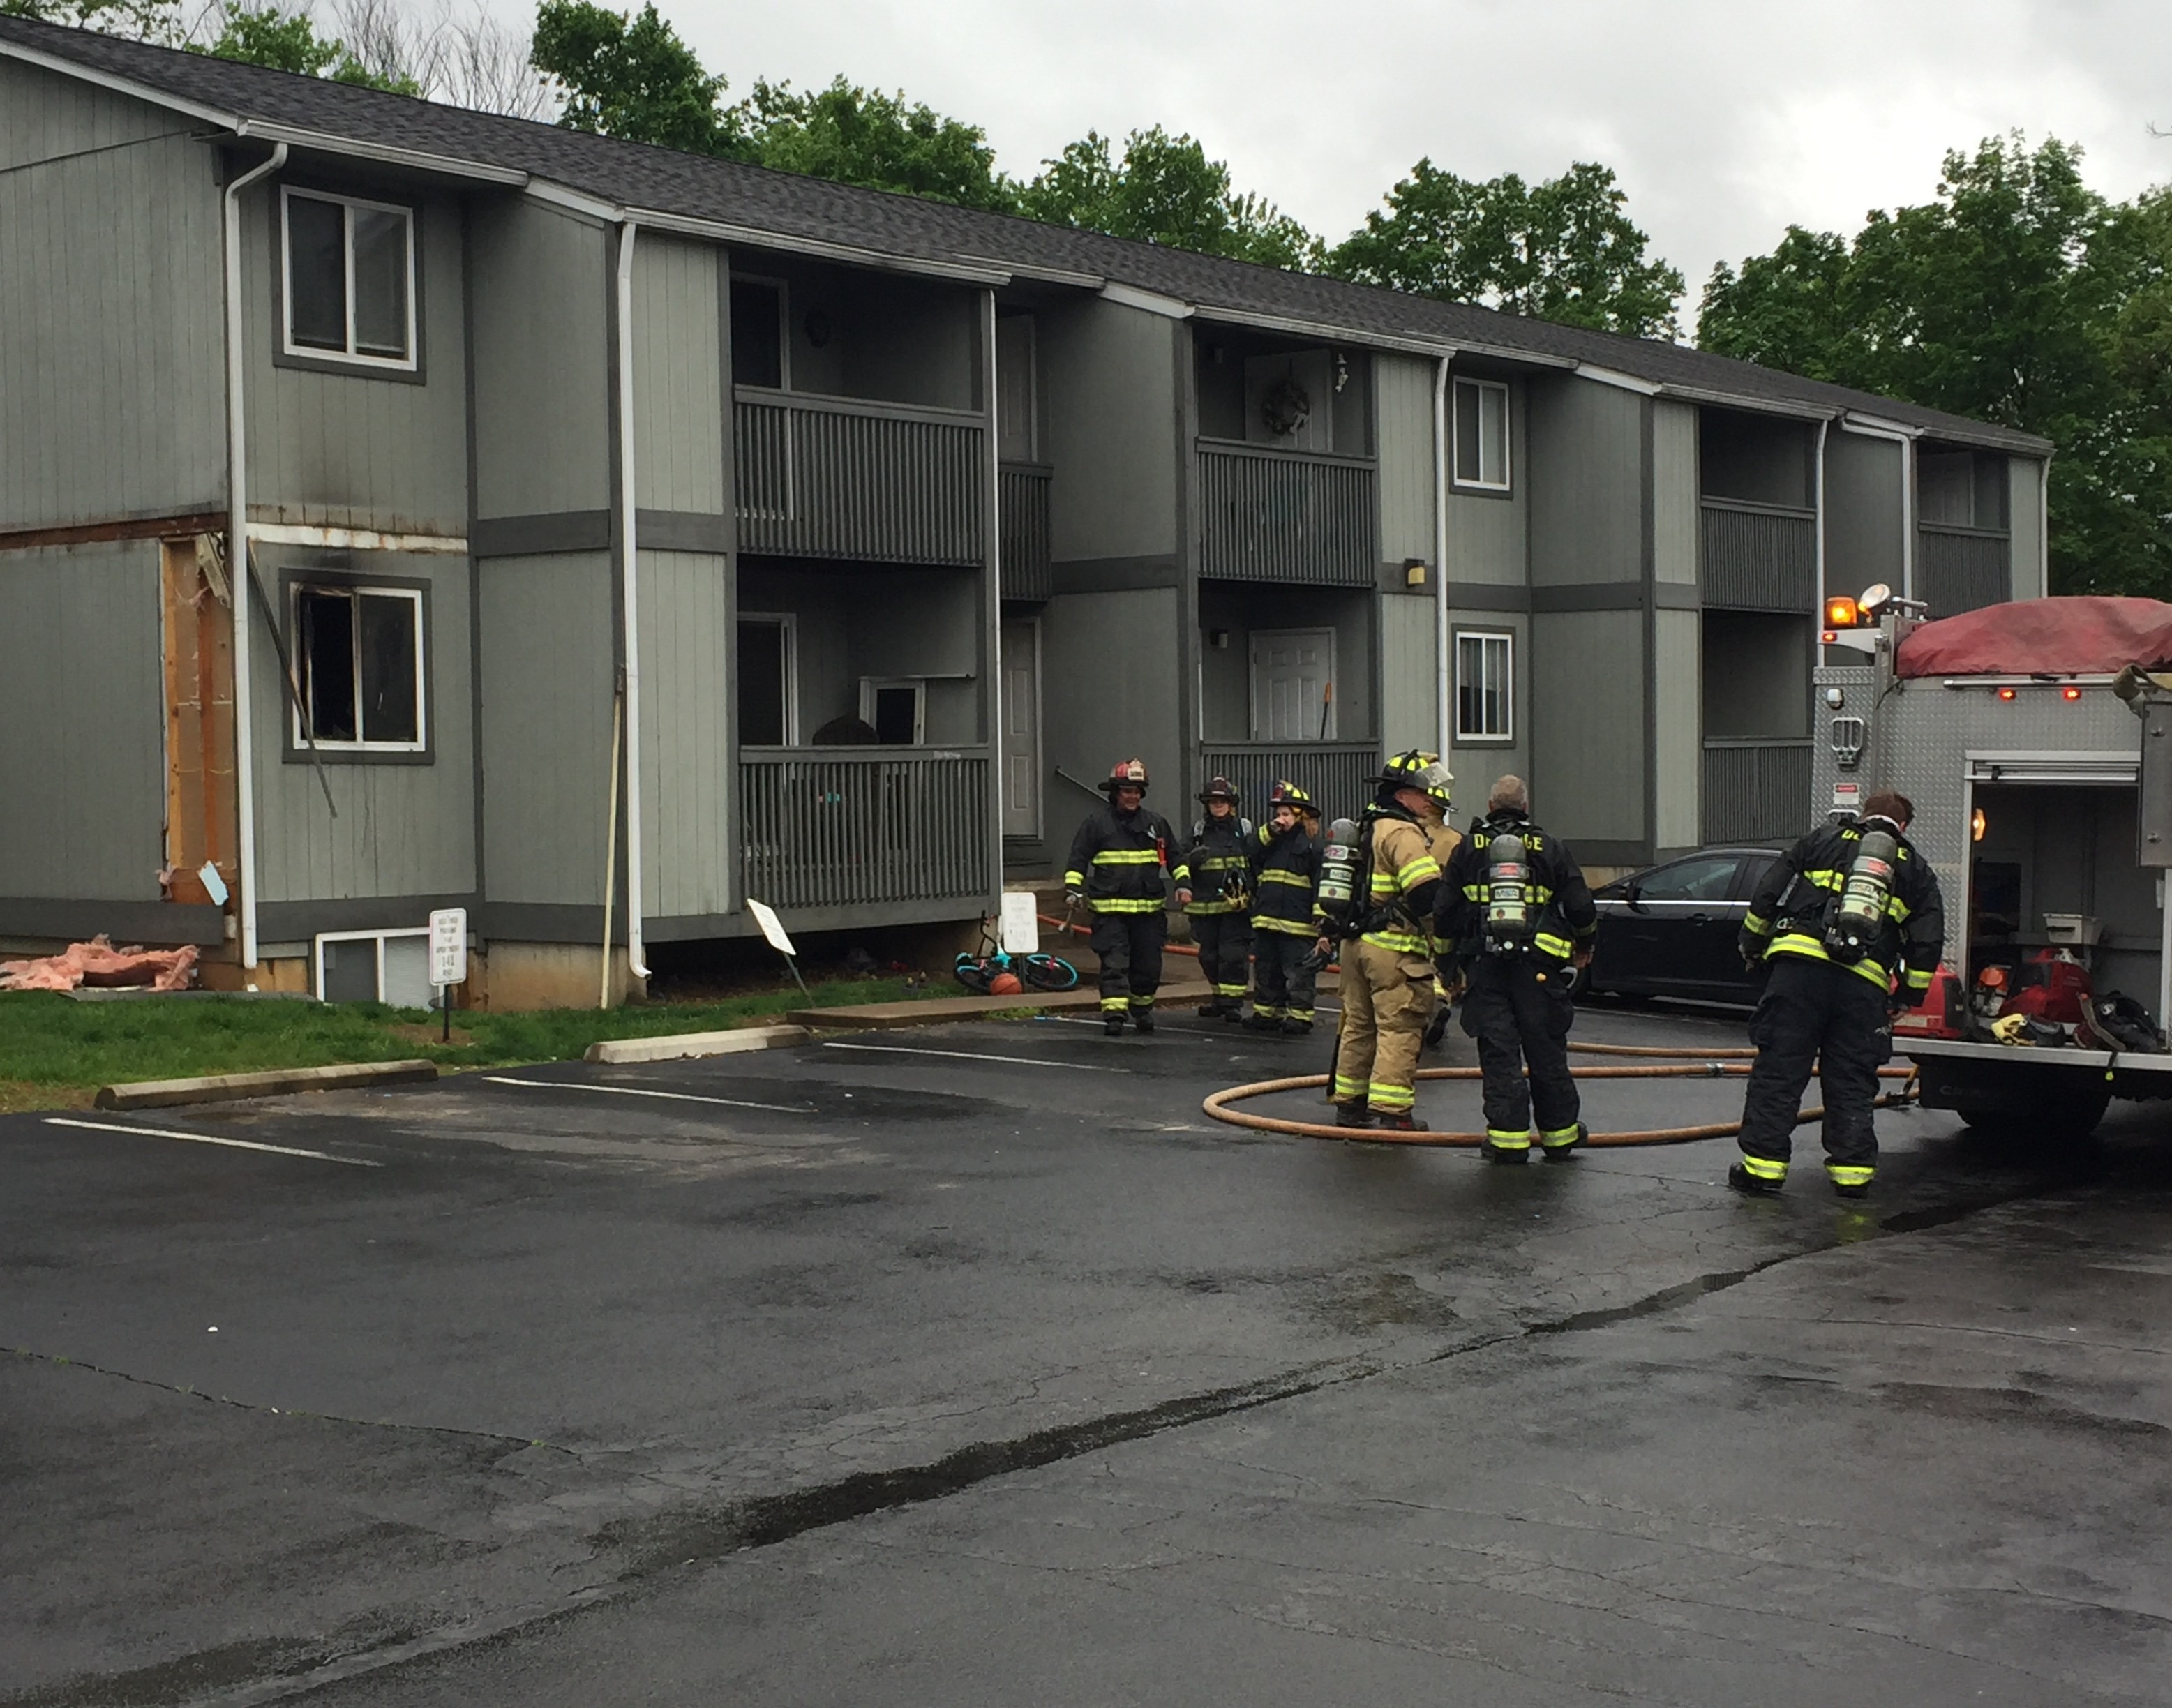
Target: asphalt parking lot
974	1364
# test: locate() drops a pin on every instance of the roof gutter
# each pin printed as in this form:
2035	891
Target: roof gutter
292	135
723	232
630	600
239	575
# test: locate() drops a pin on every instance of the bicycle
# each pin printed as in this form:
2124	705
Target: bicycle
981	973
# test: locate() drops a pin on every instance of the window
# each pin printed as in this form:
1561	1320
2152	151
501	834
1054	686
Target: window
1701	878
1484	688
358	668
765	681
757	334
375	966
896	709
350	279
1482	434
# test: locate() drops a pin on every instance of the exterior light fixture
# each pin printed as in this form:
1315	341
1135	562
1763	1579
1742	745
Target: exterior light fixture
2070	692
1977	825
2006	694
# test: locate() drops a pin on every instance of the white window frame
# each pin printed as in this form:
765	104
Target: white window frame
1506	735
1507	437
302	739
872	686
783	289
350	356
789	622
317	951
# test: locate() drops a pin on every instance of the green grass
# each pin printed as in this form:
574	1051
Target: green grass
55	1052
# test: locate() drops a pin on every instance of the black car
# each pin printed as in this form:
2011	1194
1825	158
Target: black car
1670	930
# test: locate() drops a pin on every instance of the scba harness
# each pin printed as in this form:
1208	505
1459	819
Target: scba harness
1857	914
1512	923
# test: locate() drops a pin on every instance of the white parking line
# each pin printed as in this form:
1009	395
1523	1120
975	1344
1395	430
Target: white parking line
207	1139
781	1108
975	1056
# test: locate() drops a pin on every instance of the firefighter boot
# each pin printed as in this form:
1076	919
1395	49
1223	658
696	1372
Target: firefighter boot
1744	1179
1513	1149
1401	1120
1353	1114
1112	1022
1562	1147
1142	1019
1296	1027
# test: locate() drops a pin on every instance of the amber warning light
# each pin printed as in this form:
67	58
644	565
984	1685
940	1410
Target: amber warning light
2070	692
2006	694
1840	613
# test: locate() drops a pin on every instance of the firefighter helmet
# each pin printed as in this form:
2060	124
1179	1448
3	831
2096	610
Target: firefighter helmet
1130	773
1217	789
1289	794
1415	769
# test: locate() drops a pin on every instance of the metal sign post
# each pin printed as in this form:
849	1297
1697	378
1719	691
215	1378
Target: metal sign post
772	928
448	957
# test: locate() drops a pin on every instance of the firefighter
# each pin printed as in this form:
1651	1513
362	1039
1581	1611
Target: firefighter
1213	887
1285	926
1442	838
1852	925
1388	971
1516	906
1118	870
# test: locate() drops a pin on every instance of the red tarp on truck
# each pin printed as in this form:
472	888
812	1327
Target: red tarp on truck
2088	635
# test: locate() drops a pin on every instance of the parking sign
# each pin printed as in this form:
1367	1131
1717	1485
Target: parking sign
448	947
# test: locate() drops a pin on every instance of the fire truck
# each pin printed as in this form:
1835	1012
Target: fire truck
2035	739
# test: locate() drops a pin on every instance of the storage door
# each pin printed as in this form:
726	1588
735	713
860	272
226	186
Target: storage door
1292	672
1021	712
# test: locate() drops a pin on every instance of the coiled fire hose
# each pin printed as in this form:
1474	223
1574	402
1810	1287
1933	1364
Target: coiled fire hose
1687	1064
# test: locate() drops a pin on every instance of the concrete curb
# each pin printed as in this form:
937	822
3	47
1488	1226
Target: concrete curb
218	1088
936	1010
691	1044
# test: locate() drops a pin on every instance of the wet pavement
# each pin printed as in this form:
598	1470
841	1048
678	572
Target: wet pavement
975	1365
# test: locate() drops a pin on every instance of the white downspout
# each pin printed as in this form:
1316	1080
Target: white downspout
992	592
1818	597
630	608
1908	519
1443	664
238	576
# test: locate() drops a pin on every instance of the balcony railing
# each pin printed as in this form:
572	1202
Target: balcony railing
1962	569
1332	772
1757	791
837	827
1757	557
830	477
1287	516
1022	508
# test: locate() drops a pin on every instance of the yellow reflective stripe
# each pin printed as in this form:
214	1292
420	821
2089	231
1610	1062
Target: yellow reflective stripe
1918	980
1289	927
1348	1090
1474	892
1297	878
1401	942
1075	880
1559	947
1424	869
1541	894
1115	1005
1811	949
1118	904
1556	1137
1501	1139
1756	922
1850	1174
1390	1097
1896	910
1127	857
1764	1168
1212	909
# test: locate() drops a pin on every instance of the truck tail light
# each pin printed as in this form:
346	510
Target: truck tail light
2070	692
2006	694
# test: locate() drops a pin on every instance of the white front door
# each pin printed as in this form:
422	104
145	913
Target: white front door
1021	711
1293	684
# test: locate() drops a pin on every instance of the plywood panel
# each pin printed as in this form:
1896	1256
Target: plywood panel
1409	701
678	377
685	738
81	771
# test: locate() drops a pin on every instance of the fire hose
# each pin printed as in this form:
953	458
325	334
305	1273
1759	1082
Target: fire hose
1701	1064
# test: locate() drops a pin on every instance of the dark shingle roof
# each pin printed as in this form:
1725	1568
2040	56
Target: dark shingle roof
792	208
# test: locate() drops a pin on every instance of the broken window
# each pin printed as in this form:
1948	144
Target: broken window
359	654
350	273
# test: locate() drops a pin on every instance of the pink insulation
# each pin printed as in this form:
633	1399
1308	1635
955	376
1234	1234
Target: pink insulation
99	963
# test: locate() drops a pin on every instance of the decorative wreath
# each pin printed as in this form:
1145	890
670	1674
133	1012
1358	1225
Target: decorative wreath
1286	407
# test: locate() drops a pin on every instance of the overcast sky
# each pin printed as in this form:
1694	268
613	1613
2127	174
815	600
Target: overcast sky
1723	121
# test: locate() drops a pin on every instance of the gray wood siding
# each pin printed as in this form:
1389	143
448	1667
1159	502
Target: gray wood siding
542	348
2025	506
1586	473
548	669
82	767
402	828
1675	521
678	377
1099	705
358	449
1679	763
1863	512
1588	754
686	673
1403	385
1110	375
1410	702
112	395
1489	533
43	116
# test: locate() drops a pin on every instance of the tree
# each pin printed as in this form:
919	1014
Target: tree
2016	295
142	20
857	136
1561	250
1164	191
289	41
632	77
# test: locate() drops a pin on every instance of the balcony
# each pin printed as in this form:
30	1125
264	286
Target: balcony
1962	569
838	478
1022	513
1757	557
1287	516
1332	772
855	826
1757	791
